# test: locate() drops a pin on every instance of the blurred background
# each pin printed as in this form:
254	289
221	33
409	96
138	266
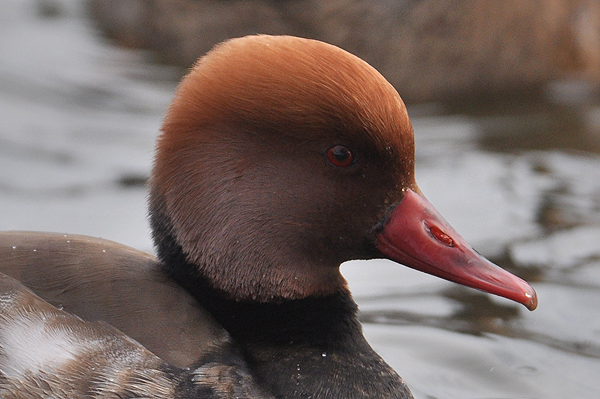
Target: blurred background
505	102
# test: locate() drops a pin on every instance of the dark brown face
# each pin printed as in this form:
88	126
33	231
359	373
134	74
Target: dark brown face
278	211
327	192
281	158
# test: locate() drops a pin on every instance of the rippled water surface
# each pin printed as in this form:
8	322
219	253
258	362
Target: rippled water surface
520	181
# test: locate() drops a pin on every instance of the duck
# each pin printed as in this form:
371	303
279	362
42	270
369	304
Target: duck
279	159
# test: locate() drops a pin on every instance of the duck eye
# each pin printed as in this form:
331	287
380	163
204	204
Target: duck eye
340	156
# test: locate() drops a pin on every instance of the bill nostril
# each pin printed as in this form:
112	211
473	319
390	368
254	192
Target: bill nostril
441	237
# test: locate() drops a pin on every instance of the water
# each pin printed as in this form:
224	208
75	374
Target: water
520	181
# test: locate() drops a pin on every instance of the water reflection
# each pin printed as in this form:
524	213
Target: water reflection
519	179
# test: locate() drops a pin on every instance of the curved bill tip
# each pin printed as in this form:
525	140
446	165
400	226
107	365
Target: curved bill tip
417	236
532	302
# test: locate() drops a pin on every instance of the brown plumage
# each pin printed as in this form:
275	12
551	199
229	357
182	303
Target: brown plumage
77	357
102	280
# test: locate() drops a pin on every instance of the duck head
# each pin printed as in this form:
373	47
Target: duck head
279	159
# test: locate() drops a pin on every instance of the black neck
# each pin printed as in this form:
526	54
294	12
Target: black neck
326	319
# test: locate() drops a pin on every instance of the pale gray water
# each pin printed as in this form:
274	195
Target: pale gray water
79	119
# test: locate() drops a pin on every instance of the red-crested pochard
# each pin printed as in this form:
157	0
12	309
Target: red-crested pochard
279	159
